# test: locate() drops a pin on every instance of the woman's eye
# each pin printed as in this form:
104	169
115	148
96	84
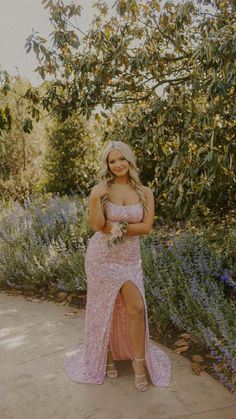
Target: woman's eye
113	161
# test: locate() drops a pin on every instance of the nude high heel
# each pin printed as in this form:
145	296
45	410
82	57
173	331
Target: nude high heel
143	385
111	373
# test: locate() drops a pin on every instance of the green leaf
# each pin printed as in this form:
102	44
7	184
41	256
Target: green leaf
27	125
104	114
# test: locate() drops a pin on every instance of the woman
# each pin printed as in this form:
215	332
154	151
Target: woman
116	324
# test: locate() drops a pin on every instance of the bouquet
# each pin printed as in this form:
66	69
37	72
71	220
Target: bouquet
117	233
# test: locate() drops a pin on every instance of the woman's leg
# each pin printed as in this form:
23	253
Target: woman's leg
135	309
136	312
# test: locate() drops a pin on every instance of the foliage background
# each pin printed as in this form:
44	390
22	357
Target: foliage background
160	76
166	74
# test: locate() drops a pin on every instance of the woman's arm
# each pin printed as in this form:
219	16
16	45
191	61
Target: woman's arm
145	227
96	217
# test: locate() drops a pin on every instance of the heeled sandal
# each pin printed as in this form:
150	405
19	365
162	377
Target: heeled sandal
111	373
143	385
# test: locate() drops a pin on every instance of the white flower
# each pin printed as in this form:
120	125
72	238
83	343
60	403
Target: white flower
116	230
116	235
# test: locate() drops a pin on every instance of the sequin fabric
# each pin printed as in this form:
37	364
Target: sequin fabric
106	318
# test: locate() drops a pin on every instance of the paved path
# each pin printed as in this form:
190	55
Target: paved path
33	385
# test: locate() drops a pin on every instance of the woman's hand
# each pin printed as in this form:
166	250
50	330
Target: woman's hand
107	227
96	216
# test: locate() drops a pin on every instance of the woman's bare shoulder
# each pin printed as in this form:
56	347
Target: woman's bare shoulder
97	185
148	192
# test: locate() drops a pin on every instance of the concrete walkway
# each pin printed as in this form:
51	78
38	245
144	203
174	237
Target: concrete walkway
34	385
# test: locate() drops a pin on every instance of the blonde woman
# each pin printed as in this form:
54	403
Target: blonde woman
116	324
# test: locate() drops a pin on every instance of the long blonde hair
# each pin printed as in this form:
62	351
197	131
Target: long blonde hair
106	176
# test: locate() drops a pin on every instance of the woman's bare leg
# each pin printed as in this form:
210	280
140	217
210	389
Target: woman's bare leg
135	309
109	357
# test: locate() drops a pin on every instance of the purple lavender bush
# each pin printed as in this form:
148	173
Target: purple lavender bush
185	284
42	244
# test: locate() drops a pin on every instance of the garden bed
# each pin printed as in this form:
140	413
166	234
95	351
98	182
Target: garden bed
189	276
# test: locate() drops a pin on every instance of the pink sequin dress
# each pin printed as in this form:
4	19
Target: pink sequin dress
106	319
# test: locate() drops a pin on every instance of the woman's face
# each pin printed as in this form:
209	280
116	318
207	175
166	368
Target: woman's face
117	163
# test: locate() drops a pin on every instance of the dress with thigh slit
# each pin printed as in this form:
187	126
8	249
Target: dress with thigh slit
106	318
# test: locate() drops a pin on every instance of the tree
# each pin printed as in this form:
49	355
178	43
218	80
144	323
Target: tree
5	118
173	66
70	158
20	152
